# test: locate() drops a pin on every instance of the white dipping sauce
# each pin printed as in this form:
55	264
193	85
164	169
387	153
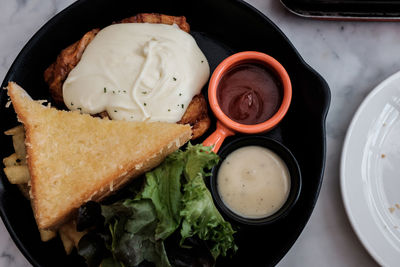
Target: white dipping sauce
137	72
253	182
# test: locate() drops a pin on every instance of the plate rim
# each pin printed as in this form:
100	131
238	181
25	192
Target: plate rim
345	198
324	87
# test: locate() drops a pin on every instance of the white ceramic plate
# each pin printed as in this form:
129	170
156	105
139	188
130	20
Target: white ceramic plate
370	172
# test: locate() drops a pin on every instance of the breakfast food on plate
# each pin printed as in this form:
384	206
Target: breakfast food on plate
134	94
147	67
74	158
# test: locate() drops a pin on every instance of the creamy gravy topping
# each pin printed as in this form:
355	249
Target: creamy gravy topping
138	71
253	182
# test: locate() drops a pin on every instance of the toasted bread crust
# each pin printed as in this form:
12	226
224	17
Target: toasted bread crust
74	158
196	114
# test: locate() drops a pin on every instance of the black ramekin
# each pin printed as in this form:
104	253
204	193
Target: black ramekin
284	154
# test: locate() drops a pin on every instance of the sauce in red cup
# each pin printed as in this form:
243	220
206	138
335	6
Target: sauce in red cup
249	93
248	110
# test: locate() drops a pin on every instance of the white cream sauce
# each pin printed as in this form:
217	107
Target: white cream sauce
137	72
253	182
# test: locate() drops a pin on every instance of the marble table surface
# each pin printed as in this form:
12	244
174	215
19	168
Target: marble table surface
353	57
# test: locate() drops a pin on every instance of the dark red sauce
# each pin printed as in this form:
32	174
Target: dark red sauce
249	93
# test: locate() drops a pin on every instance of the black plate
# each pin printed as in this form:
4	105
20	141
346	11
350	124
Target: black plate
221	28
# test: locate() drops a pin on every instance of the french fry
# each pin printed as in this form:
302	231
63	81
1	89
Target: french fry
19	146
47	235
67	242
11	160
16	130
69	229
17	174
18	137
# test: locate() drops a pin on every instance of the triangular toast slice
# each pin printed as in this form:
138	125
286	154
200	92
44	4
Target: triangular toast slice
74	158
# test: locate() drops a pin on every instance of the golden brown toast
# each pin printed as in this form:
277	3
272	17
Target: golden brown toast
74	158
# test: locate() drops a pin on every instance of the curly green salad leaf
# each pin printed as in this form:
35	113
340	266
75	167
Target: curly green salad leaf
163	188
132	225
174	198
199	214
201	217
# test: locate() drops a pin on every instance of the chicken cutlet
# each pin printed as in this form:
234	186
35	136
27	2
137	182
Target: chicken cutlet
196	113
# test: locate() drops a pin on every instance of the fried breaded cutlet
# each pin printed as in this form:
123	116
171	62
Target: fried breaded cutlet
196	114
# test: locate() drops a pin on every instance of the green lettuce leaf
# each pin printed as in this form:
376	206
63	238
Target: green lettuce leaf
110	262
91	246
199	214
163	188
132	226
198	159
